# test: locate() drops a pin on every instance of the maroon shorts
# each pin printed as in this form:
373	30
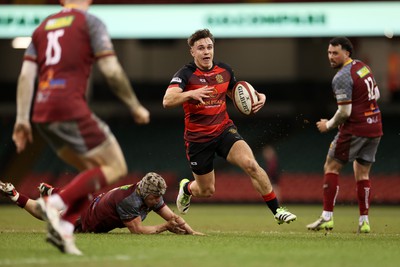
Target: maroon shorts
82	135
348	147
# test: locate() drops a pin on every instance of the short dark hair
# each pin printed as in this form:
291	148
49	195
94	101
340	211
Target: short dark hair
200	34
344	42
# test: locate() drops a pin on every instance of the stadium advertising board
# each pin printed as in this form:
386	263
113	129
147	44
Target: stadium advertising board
224	20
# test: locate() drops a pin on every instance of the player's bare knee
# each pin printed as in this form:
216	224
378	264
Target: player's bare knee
251	167
120	168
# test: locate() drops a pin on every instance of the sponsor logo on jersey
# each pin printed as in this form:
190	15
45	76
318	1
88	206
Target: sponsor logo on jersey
57	23
363	71
233	131
125	187
42	97
341	97
210	104
219	78
371	120
176	80
373	110
49	82
214	93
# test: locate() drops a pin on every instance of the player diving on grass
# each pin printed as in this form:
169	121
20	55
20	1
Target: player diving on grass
125	206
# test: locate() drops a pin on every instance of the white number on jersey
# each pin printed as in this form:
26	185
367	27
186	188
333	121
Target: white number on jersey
53	50
370	87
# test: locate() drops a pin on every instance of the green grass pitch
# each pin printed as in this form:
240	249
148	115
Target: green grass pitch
236	235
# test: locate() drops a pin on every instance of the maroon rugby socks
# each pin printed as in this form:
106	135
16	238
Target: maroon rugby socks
83	185
331	190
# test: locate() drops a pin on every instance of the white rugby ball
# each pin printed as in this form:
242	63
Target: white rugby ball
244	96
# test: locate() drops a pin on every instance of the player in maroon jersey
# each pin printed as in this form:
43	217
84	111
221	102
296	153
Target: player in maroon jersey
201	87
358	119
124	206
63	49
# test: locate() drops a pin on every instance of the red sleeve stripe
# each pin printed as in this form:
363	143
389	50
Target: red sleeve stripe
30	58
344	102
104	54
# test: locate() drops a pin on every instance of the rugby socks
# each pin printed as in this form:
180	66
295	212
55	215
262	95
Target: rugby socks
19	199
186	188
83	185
363	218
327	215
272	201
363	196
54	190
331	190
73	212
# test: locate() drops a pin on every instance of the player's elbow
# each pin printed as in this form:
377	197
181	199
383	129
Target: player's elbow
135	231
167	102
112	71
344	112
113	76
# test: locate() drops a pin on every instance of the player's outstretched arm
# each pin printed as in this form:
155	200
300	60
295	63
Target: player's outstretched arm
176	224
135	226
120	85
30	205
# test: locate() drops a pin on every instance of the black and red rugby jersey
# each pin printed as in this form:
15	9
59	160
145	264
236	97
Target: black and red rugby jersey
203	122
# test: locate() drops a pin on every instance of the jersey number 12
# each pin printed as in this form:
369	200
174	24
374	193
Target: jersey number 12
370	87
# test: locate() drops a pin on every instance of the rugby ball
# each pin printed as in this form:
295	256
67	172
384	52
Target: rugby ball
244	96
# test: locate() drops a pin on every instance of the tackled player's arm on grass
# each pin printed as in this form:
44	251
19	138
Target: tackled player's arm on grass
121	86
136	226
178	224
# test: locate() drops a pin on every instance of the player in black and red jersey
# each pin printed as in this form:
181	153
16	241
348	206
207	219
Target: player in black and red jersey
201	87
63	49
360	129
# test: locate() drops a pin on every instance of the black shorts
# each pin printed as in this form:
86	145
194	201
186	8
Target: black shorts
201	155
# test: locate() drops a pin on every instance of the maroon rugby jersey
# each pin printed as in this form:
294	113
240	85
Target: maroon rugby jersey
65	46
109	210
354	84
203	122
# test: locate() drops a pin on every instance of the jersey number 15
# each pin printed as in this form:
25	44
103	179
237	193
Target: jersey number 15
53	50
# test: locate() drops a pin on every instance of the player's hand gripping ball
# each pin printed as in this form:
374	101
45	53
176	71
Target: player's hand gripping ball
244	96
